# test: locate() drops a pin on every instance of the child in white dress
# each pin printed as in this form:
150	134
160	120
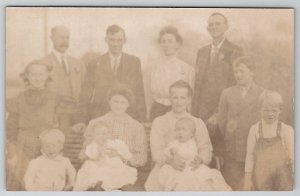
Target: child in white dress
50	171
184	148
105	164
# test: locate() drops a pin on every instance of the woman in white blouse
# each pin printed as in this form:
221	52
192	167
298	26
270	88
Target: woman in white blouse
168	70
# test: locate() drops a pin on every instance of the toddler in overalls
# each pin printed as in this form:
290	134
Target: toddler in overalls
270	149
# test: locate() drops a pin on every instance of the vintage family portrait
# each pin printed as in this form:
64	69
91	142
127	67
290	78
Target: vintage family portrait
149	99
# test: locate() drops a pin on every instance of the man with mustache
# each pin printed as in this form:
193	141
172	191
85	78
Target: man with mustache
67	75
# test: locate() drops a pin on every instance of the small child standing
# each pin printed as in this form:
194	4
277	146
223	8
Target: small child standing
106	162
184	148
270	149
32	112
50	171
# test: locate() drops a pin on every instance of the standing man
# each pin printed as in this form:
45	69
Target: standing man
115	66
67	75
214	73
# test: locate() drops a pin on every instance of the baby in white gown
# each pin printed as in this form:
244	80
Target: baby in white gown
184	148
105	163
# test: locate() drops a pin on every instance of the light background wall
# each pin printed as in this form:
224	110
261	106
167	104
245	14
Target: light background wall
267	34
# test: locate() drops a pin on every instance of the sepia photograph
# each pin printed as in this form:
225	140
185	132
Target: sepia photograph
149	99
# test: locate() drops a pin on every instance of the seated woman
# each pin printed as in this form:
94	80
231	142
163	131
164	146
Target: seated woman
167	70
163	133
124	127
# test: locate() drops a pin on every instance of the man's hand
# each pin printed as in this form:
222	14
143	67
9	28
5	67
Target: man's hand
176	163
196	163
212	124
79	128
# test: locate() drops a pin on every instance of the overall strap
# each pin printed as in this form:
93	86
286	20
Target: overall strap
260	132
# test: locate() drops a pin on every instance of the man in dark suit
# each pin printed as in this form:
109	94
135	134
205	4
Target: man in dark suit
115	66
214	73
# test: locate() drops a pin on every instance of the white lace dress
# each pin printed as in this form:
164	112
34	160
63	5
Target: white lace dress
111	171
201	179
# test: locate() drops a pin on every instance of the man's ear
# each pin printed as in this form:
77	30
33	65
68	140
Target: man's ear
105	39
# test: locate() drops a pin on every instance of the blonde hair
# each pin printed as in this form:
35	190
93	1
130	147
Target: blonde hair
189	122
52	135
269	97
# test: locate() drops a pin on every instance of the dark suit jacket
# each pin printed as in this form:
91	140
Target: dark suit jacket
99	79
211	80
235	117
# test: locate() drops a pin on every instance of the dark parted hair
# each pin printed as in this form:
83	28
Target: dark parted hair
121	89
170	30
182	84
112	29
220	14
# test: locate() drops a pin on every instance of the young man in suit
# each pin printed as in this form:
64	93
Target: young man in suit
213	74
67	74
115	66
238	110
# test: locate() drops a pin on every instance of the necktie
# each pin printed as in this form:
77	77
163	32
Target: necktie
214	55
64	65
115	66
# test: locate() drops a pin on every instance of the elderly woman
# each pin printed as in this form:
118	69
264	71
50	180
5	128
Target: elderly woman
124	127
168	70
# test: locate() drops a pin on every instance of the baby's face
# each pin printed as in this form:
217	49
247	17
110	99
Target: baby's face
51	148
183	132
101	134
270	113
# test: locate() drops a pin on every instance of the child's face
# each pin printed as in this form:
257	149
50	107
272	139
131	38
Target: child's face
37	76
243	75
183	132
118	104
270	113
51	148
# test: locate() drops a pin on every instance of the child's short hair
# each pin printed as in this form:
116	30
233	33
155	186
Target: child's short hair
52	134
246	60
182	84
189	122
33	63
269	97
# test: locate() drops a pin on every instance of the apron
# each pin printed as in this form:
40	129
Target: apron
272	172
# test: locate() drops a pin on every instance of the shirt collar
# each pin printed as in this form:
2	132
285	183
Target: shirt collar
247	87
112	57
267	125
219	45
59	55
57	158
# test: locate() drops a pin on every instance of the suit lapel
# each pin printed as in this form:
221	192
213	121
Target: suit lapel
249	98
123	67
203	62
106	65
74	77
53	60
